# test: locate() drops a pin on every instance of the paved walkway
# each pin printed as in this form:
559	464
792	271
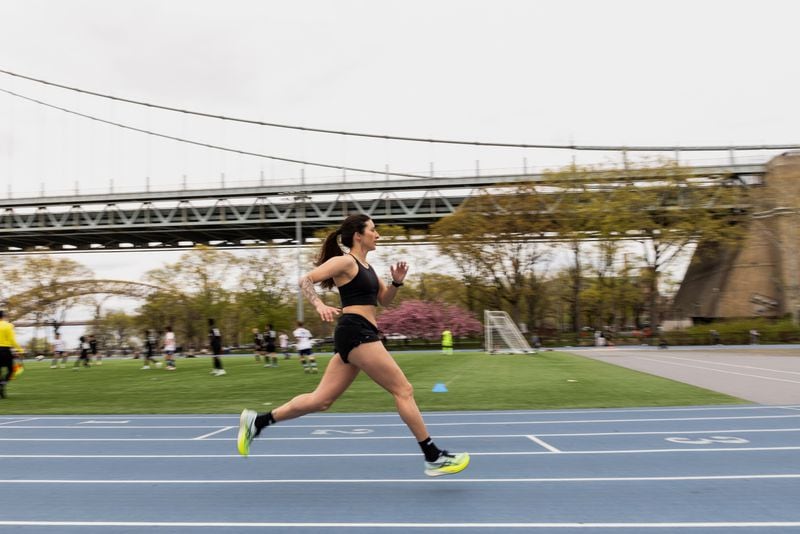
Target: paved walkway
766	374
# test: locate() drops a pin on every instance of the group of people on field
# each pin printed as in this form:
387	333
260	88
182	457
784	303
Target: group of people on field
267	344
168	346
86	350
88	353
264	346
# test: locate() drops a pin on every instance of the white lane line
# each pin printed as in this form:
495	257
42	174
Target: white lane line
722	370
105	422
19	421
204	436
448	414
784	476
712	362
449	436
391	454
126	427
459	423
657	432
542	443
103	439
472	526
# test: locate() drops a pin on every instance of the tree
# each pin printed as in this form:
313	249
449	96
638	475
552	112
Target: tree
264	296
435	287
41	279
538	299
669	214
202	276
117	328
578	214
426	320
492	237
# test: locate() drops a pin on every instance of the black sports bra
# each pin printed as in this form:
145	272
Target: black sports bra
362	289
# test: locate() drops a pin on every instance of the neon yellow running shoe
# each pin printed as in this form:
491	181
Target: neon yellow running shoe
447	464
247	431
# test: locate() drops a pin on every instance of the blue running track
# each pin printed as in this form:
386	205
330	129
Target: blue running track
697	469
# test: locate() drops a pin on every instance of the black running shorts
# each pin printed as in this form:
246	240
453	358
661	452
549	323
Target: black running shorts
351	331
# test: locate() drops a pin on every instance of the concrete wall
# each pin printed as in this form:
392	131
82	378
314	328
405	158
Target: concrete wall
761	277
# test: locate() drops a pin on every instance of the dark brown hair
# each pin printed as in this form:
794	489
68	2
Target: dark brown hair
330	247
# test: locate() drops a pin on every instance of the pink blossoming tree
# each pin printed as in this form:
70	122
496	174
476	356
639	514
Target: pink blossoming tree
426	320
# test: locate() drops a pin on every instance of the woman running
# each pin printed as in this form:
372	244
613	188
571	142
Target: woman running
357	344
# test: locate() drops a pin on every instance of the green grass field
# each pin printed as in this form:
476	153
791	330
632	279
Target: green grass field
475	381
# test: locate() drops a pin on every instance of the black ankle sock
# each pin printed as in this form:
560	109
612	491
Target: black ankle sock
429	449
263	420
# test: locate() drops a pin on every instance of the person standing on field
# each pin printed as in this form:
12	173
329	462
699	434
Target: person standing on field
8	343
59	352
447	342
215	342
283	341
270	338
84	349
170	346
303	337
150	345
98	360
258	344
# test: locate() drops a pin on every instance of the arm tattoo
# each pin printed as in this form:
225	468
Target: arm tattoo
307	286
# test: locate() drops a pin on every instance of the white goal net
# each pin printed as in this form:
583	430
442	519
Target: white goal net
502	335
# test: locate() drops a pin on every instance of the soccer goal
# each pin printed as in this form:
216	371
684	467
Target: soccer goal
502	335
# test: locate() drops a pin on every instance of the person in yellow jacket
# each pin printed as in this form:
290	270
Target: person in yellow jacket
447	342
8	341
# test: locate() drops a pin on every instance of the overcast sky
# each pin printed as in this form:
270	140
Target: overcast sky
592	72
586	72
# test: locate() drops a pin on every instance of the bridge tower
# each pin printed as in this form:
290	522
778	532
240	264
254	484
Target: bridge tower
760	277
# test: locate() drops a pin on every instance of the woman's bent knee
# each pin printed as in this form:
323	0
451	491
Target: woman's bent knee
405	391
321	405
309	403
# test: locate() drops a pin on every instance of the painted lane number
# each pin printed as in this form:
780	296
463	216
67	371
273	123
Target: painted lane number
726	440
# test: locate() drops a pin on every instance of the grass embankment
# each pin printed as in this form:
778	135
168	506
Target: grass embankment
475	381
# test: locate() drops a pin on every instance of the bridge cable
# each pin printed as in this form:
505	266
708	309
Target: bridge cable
215	147
616	148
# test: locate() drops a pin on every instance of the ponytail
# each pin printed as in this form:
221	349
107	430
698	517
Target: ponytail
331	247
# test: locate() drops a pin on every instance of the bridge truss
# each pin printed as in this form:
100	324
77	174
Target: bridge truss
239	217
